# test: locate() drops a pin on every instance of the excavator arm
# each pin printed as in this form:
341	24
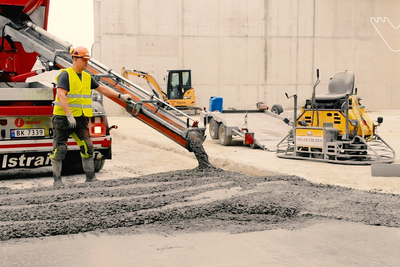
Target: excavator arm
54	53
149	79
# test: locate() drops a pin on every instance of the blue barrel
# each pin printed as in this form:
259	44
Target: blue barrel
216	103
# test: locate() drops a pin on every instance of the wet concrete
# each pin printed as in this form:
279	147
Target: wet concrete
199	152
191	200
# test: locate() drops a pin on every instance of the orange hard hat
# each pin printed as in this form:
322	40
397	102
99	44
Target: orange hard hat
82	52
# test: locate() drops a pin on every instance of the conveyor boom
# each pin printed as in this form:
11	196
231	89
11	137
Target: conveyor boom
146	107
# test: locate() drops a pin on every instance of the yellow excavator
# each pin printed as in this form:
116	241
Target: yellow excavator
180	93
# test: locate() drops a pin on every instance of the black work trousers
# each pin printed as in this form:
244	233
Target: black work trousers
80	133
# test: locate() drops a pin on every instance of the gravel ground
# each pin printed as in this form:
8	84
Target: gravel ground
200	199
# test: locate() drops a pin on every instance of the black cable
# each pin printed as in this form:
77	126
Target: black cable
2	38
8	85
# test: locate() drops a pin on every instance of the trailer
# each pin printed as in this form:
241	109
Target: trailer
225	128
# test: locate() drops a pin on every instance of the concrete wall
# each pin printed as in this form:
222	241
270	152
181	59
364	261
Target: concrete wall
249	51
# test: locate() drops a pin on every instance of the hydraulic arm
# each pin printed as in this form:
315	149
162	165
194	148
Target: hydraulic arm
149	79
146	107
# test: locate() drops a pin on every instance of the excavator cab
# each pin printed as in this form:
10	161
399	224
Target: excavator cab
179	82
179	94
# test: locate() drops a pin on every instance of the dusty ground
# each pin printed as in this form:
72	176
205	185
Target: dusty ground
153	185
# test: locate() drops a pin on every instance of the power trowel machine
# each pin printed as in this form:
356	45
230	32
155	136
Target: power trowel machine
335	128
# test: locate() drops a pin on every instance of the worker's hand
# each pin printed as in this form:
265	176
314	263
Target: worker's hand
71	121
125	97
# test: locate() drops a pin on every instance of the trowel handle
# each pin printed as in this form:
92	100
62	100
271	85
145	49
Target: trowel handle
318	73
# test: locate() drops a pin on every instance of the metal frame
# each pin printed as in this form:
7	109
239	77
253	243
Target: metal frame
375	151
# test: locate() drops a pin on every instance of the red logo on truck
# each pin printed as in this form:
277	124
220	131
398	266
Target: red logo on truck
19	122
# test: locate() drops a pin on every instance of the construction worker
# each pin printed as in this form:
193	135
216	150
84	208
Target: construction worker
72	109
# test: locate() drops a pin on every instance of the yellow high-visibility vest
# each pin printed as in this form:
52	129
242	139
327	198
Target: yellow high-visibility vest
79	96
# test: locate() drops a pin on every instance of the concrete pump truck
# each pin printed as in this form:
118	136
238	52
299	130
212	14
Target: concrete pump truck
26	108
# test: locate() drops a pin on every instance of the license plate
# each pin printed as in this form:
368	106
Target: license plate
27	133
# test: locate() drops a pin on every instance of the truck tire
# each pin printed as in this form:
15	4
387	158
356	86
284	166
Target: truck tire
277	109
224	138
214	129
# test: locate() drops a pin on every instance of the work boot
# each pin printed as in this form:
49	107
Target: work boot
88	167
57	166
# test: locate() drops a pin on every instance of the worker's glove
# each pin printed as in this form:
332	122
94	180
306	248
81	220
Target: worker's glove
126	98
71	121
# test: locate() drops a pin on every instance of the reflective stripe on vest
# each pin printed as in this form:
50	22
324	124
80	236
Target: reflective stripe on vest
79	96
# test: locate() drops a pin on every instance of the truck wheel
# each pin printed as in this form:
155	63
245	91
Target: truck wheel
224	138
277	109
98	165
214	129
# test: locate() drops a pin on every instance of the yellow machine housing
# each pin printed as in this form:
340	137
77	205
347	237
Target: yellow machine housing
359	122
